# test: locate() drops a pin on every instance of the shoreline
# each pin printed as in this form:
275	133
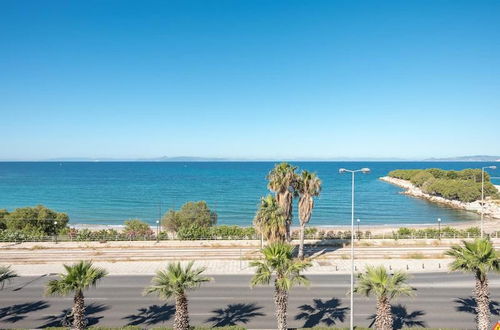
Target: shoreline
491	208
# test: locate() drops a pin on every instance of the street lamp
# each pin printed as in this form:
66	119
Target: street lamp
439	228
55	231
357	234
364	171
157	231
482	195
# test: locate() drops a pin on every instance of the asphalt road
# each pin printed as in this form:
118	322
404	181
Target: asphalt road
442	300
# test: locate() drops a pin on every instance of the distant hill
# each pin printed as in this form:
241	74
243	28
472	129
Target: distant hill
477	158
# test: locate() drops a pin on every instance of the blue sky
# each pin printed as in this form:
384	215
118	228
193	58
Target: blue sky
249	79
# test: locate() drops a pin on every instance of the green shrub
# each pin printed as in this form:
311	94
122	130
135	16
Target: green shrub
37	219
190	214
421	178
217	232
137	228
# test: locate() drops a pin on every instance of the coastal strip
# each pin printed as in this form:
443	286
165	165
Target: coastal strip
491	207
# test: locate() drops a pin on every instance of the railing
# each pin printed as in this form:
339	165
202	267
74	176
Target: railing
166	237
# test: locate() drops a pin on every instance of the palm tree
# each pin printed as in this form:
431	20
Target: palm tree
78	277
308	187
282	180
376	281
478	257
269	220
175	281
6	274
278	261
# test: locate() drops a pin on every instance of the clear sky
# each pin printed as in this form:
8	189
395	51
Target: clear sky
249	79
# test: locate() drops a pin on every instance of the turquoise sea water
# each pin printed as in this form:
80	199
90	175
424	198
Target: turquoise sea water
111	192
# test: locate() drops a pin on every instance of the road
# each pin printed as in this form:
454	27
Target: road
442	300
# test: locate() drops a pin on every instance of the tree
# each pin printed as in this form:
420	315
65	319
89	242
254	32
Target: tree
175	281
270	221
376	281
137	228
278	262
308	187
6	274
36	219
282	181
190	214
478	257
78	278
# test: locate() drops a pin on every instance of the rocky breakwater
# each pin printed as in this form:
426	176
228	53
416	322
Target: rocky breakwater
491	208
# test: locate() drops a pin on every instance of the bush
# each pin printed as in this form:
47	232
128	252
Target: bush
137	228
421	178
217	232
190	214
38	219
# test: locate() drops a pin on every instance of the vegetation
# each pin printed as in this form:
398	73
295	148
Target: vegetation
447	231
464	185
270	220
137	228
279	263
216	232
190	214
283	181
378	282
478	257
6	274
37	220
78	277
308	187
174	282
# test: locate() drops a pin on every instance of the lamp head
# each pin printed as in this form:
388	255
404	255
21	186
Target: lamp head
439	219
365	170
157	221
357	220
342	170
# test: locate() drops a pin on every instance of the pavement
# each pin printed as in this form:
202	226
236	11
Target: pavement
441	300
222	257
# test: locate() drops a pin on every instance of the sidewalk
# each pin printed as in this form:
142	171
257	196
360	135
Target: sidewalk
230	267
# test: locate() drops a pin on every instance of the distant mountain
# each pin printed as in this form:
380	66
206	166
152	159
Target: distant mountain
476	158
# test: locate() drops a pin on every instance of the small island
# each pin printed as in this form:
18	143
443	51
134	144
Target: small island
457	189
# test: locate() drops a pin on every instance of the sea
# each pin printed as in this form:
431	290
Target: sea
112	192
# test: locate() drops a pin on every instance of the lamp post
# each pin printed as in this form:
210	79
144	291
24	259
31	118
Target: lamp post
55	231
157	231
482	196
439	228
357	233
364	171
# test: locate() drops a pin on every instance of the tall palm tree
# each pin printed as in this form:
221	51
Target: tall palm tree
308	187
6	274
175	281
377	281
478	257
269	220
278	261
282	181
78	277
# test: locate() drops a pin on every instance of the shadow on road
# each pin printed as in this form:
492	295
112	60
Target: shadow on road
18	312
234	314
468	305
153	314
327	312
90	311
403	318
23	285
